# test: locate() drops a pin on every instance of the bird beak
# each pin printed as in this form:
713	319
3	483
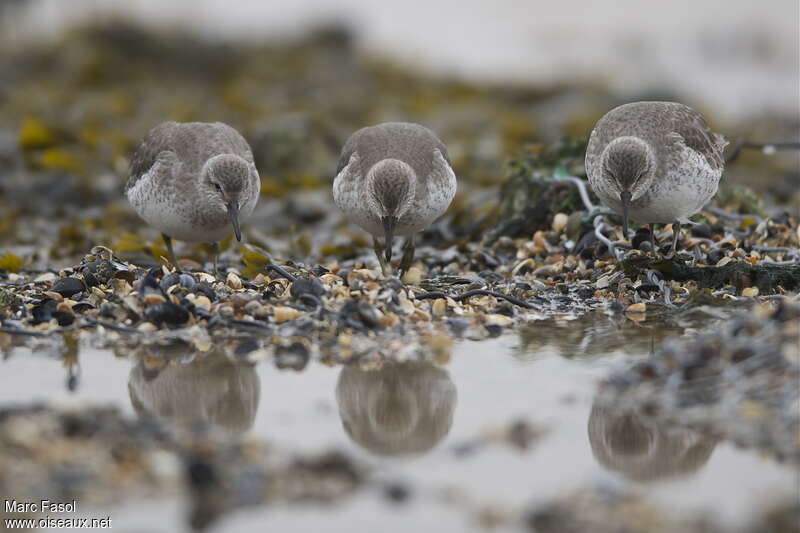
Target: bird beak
388	230
625	196
233	213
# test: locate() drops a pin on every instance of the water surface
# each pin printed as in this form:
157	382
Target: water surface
429	429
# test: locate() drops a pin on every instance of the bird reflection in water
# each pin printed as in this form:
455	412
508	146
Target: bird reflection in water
644	449
399	409
206	388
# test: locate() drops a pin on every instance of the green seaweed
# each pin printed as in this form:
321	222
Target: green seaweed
528	200
765	276
10	262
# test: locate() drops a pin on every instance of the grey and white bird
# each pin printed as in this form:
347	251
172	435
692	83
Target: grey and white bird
654	162
193	181
394	179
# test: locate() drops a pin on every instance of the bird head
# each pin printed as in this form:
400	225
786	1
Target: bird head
628	165
391	188
226	182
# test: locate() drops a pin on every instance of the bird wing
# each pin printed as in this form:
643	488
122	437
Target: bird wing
594	148
696	135
411	143
155	146
189	145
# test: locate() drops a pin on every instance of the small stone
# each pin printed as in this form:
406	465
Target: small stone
100	270
540	244
525	266
43	311
46	277
153	298
169	280
389	320
498	320
638	307
412	277
420	316
301	287
205	289
167	313
406	306
69	286
253	307
187	281
206	277
54	296
603	282
284	314
233	281
64	318
560	221
439	307
64	307
724	261
750	292
202	302
548	270
330	279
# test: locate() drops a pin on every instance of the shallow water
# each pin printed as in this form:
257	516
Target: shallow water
429	430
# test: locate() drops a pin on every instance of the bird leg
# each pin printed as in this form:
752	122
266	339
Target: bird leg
215	255
653	238
408	255
170	252
379	251
676	233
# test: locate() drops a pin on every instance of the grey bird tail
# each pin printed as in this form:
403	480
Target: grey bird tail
720	141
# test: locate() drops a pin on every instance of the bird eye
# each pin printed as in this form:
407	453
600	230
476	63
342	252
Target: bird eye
218	187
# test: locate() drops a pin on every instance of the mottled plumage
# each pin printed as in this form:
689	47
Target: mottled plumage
394	179
193	181
662	154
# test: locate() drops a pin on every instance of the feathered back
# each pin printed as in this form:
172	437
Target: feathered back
411	143
193	143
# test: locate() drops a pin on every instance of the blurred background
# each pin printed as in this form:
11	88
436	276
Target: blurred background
82	81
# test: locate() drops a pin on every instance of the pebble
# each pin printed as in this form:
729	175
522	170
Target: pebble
69	286
639	307
167	313
413	276
750	292
153	298
302	286
46	277
233	281
284	314
560	221
499	320
202	302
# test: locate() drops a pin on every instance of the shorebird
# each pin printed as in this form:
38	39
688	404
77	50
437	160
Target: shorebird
654	162
394	179
193	181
